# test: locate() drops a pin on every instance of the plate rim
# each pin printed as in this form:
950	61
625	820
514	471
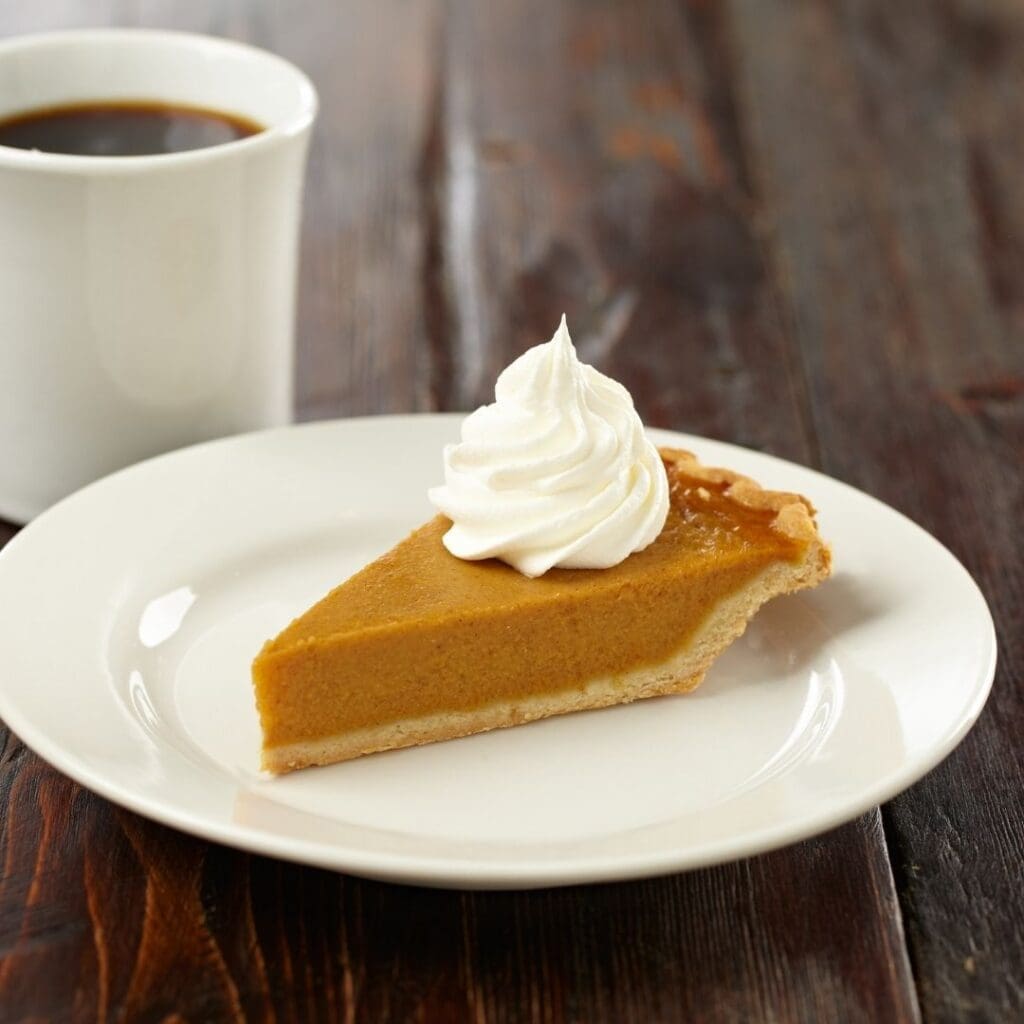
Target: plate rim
510	873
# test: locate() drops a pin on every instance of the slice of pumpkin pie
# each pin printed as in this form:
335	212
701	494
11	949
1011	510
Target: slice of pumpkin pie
572	566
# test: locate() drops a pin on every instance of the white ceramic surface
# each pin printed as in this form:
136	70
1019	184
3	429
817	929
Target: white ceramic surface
133	609
145	302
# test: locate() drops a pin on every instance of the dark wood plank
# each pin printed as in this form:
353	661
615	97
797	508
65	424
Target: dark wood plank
595	170
890	140
596	167
733	943
138	922
104	916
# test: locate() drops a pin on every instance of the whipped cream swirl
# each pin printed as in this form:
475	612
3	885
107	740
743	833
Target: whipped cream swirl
556	472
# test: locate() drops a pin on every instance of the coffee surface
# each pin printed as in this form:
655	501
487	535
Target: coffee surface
122	128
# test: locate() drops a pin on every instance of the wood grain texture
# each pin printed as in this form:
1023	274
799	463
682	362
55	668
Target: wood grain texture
889	146
795	226
595	170
141	923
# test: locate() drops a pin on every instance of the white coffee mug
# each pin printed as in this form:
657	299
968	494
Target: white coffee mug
146	302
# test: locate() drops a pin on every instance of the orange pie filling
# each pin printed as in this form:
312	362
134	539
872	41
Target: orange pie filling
430	634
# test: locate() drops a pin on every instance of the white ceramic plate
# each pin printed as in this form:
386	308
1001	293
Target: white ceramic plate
132	611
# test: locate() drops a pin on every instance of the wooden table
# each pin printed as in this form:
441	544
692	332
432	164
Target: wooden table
797	226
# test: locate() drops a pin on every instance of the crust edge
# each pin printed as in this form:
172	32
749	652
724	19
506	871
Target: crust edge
794	514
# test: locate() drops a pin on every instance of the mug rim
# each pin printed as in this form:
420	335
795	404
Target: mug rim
270	135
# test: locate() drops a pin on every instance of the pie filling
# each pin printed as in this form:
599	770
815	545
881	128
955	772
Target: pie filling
416	636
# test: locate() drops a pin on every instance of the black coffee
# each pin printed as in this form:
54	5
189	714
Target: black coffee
122	128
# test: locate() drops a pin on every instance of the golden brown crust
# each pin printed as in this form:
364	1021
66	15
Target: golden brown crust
437	728
794	514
